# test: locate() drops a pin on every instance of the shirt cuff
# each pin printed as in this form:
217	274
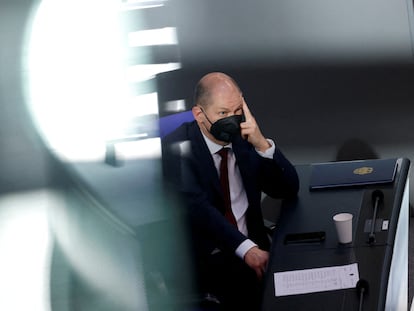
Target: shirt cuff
244	247
270	151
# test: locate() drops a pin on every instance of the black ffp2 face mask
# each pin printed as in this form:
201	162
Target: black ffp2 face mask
226	129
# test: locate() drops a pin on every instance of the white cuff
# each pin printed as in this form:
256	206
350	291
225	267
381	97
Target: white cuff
270	151
244	247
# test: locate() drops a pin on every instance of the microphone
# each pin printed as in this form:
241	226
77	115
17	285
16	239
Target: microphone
362	289
377	198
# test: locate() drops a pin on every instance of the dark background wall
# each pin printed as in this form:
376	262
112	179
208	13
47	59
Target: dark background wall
294	32
315	73
316	106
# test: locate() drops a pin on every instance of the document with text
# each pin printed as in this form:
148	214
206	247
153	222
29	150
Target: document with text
316	280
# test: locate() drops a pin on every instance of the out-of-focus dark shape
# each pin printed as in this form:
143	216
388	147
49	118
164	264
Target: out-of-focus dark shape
355	149
110	155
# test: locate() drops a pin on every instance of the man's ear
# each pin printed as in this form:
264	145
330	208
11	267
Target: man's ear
197	112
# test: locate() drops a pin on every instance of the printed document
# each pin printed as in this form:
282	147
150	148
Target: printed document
316	280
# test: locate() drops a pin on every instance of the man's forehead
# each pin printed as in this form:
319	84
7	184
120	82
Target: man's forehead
225	104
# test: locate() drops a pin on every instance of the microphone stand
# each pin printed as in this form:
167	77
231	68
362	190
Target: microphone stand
362	289
377	196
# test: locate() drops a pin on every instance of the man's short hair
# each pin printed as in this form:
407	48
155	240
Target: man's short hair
201	93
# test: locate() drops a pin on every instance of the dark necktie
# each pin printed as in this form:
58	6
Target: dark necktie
224	181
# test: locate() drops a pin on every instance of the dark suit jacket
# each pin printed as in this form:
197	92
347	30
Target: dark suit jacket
189	165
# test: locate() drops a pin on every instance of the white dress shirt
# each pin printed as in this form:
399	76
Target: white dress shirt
239	202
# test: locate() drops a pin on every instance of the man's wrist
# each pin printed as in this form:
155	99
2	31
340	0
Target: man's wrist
268	153
244	247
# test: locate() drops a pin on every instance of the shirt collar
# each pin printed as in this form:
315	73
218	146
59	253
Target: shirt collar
212	146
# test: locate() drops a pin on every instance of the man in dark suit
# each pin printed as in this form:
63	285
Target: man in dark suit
230	247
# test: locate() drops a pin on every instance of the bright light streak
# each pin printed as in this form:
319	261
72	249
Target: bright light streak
139	106
25	248
175	105
143	4
148	71
161	36
143	149
77	85
143	105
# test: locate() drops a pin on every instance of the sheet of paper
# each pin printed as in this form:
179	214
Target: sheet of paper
316	280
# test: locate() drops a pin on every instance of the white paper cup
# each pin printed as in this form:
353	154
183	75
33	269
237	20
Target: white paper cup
343	224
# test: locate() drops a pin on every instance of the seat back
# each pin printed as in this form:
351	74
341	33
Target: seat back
169	123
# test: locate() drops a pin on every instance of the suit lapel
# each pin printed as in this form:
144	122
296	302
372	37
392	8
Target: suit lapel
244	163
203	157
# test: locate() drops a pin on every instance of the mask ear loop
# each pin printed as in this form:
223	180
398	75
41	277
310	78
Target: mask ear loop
205	115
